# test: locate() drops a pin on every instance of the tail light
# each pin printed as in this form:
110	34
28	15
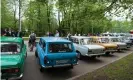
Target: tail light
12	70
45	60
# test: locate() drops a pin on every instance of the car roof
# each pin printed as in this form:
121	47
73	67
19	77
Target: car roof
54	39
80	37
11	39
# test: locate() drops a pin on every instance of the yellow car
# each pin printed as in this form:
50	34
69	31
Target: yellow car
109	47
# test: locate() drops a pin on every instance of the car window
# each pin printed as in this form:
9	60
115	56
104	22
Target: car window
60	47
115	40
10	48
43	45
75	41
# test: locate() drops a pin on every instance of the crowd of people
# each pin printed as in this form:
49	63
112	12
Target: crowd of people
11	33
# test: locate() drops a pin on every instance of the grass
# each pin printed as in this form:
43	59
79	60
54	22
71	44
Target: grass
119	70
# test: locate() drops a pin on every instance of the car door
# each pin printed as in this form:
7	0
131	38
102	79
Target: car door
23	55
41	50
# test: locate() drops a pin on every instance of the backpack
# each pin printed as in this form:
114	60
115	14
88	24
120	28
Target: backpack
32	37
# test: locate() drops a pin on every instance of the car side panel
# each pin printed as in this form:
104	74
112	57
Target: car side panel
83	50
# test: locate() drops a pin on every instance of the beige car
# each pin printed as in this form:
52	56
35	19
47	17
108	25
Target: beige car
109	46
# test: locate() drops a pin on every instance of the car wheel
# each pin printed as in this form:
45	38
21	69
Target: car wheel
79	55
107	53
19	79
93	57
36	54
41	69
26	55
118	50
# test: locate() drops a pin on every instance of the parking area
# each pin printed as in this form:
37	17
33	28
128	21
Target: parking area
32	71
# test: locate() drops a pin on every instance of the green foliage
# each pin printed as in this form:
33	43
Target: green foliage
75	16
6	15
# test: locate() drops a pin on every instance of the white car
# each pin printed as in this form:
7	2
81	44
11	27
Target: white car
84	47
117	40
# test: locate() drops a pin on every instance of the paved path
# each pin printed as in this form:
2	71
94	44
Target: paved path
32	72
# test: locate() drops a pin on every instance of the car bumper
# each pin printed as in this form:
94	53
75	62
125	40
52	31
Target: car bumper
110	51
11	77
56	66
121	48
129	45
99	54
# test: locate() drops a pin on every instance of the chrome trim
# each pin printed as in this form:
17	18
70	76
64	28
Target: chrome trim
65	65
99	54
21	75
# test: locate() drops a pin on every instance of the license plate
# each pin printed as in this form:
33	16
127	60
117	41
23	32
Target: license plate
61	61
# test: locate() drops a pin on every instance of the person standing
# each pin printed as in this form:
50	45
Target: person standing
19	34
69	36
32	40
57	33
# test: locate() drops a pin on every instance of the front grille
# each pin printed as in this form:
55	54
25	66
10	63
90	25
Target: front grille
110	48
96	51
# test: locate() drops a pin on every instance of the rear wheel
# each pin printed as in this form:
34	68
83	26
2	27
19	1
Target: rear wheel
36	54
93	57
41	69
118	50
19	79
79	55
107	53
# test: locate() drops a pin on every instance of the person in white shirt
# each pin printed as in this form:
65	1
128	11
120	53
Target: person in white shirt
57	33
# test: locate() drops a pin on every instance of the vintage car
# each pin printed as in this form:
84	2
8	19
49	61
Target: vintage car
84	47
126	40
116	40
13	55
55	52
109	47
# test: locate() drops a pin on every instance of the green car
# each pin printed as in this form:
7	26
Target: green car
13	56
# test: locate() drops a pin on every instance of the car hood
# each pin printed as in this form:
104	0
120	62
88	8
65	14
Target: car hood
108	45
8	61
127	41
94	46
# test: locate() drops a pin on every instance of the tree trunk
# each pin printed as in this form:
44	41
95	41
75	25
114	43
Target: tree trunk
48	16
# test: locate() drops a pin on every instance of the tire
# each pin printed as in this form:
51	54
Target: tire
70	67
107	53
93	57
118	50
26	54
19	79
79	56
36	54
41	69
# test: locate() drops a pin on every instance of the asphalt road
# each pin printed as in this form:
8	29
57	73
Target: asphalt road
32	72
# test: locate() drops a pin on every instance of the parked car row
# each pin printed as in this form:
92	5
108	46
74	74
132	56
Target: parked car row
54	52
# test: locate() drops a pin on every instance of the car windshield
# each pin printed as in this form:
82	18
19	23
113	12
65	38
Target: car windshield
60	47
86	41
10	48
115	40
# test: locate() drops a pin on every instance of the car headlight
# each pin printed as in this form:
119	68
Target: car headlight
89	50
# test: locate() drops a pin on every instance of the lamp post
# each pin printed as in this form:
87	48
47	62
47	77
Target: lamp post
19	15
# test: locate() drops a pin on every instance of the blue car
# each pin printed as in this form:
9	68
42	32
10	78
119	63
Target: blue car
55	52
